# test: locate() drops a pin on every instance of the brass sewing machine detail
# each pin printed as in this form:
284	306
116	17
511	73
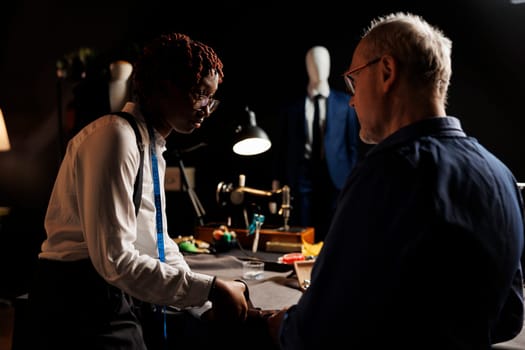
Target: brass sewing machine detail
237	195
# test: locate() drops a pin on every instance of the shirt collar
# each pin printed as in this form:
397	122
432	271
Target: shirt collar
437	126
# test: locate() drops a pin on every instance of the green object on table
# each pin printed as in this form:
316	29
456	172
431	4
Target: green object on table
188	246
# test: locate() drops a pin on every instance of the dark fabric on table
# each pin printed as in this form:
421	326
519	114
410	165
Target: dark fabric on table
274	291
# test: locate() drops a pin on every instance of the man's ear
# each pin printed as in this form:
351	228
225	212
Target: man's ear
389	71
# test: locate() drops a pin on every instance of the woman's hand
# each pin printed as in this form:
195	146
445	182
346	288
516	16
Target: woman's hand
229	302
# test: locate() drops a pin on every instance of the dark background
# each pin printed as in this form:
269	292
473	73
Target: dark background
262	45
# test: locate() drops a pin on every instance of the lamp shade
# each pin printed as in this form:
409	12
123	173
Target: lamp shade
250	139
4	139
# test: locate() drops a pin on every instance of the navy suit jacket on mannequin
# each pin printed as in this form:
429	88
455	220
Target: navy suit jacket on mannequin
340	140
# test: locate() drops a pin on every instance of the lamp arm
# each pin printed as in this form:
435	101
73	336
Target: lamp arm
197	205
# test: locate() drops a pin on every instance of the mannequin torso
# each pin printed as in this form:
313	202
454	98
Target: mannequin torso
119	84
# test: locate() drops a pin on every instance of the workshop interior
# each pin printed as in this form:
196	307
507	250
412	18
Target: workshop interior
219	193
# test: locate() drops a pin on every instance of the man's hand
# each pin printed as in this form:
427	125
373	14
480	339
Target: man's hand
274	324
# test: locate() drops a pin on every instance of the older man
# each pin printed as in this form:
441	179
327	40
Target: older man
425	246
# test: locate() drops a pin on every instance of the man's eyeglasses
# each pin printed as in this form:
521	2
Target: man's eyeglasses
201	101
349	80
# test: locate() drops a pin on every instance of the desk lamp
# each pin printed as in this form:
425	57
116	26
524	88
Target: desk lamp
251	140
4	139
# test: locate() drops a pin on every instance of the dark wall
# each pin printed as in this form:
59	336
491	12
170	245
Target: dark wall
263	47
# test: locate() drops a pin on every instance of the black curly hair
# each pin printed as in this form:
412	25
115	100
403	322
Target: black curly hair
174	57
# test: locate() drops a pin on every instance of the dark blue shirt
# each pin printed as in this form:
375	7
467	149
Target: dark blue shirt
423	251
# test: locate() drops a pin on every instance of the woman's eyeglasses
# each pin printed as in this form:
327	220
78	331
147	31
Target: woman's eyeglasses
200	101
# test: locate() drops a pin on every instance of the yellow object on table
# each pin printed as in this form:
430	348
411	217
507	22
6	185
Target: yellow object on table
311	249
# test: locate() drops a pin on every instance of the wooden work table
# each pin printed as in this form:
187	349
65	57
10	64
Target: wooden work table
276	240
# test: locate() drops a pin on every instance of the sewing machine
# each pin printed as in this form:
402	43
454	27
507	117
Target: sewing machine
244	196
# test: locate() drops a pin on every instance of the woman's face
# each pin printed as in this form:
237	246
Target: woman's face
186	111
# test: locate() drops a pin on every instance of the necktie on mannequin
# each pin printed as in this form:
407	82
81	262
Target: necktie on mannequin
317	137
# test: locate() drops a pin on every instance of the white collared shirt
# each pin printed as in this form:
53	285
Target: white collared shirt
91	215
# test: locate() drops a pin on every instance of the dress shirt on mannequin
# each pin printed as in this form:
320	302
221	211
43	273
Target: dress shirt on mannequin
315	188
318	69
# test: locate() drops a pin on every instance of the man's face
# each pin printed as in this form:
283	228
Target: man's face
365	99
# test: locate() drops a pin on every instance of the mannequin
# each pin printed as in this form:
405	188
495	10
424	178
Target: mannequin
315	186
318	69
99	94
119	84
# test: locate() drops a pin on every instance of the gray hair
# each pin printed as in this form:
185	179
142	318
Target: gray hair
423	51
